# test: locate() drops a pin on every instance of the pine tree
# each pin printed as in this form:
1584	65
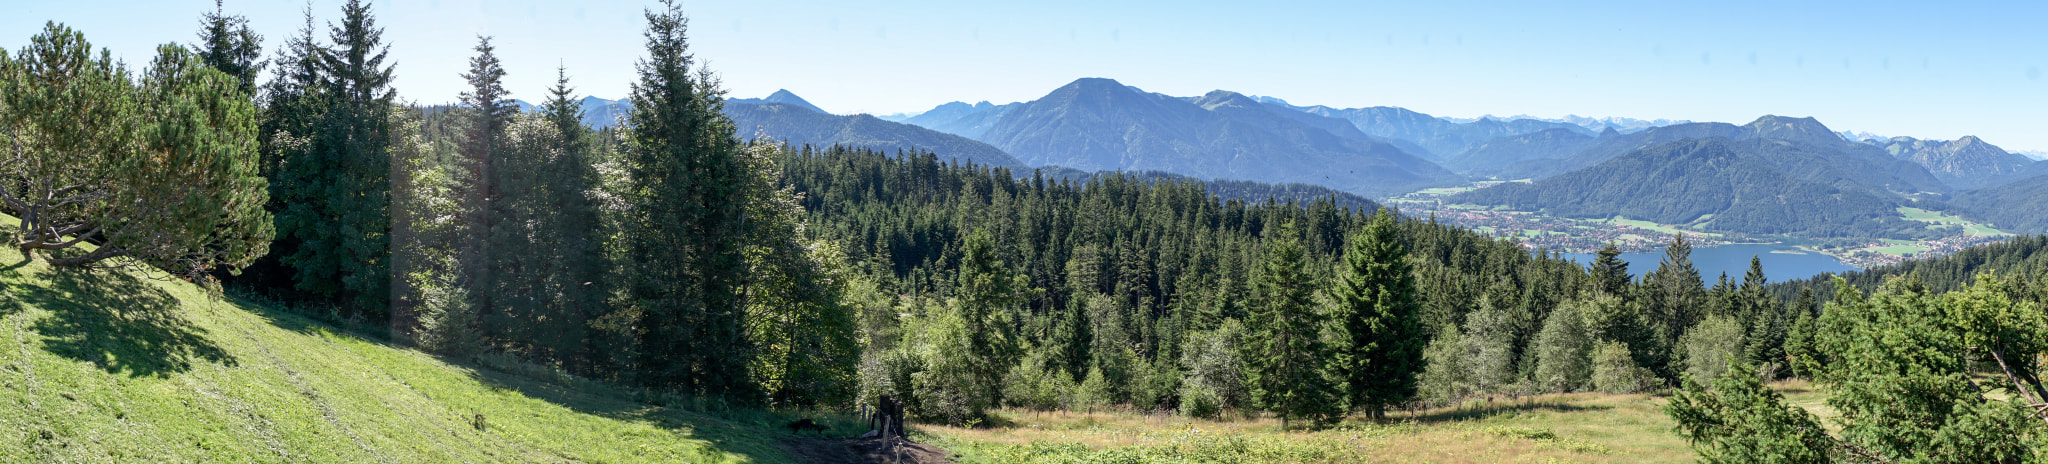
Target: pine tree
686	224
1286	349
164	173
1376	305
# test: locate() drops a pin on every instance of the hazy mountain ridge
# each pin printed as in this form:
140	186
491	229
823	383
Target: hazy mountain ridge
800	125
1100	124
961	119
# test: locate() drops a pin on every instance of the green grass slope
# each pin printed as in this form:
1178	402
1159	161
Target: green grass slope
117	367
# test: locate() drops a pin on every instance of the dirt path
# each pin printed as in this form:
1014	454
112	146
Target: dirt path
863	451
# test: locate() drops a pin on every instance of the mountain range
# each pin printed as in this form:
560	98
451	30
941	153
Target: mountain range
1100	124
1838	182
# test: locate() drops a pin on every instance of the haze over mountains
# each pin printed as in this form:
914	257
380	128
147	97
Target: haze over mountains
1096	124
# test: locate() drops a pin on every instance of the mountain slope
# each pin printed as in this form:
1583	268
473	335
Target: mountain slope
601	113
1494	156
1715	184
2019	207
799	125
1965	163
1099	124
121	367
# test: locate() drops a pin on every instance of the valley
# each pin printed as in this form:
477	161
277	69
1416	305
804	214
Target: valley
1537	230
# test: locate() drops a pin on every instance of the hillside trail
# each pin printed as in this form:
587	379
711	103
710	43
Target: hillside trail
863	451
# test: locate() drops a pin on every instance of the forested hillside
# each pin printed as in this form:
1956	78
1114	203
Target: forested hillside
1718	184
2020	207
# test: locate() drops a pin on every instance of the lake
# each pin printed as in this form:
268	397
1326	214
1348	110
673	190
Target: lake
1734	259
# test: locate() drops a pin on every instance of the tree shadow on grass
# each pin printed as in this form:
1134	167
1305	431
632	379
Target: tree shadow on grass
120	323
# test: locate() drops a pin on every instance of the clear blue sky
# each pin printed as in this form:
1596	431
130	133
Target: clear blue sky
1925	69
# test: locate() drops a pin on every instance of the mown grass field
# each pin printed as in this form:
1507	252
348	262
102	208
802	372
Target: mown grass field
118	367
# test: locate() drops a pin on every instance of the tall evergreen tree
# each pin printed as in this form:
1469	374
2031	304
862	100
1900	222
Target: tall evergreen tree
489	110
578	263
1287	352
989	294
1610	273
1376	304
336	176
227	44
686	221
1674	299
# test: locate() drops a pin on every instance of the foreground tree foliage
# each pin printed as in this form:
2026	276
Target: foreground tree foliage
1898	365
163	172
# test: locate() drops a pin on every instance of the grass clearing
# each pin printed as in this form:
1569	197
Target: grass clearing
1652	226
1579	427
122	367
1935	219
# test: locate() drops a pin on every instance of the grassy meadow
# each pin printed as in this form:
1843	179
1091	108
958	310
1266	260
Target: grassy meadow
1578	427
113	366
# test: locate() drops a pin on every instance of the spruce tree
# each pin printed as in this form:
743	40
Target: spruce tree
577	269
989	294
488	109
227	44
336	175
1286	348
685	225
1610	273
1674	299
1376	305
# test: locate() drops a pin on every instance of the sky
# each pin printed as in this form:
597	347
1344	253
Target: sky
1934	70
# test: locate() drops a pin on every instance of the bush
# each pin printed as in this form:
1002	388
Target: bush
1615	371
1036	386
1200	402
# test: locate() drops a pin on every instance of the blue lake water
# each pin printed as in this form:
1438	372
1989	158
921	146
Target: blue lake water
1734	259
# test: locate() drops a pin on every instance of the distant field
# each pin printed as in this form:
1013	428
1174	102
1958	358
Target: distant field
1938	219
1659	228
1898	250
1444	190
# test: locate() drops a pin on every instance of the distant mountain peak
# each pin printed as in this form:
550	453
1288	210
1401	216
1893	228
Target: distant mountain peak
784	96
1805	129
1217	98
